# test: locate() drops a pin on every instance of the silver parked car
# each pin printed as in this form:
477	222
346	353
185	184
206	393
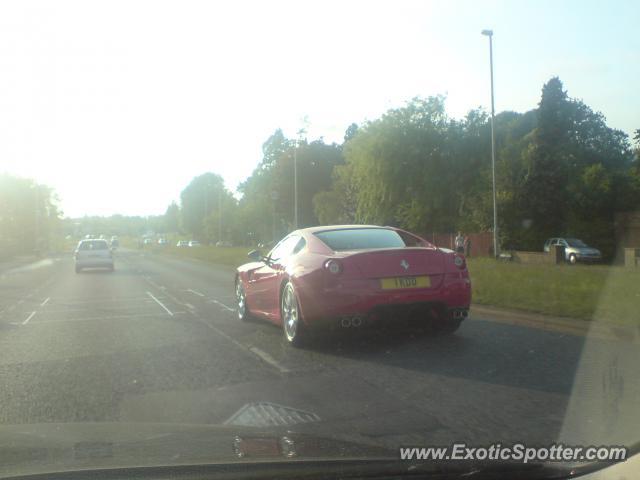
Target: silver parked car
575	250
93	254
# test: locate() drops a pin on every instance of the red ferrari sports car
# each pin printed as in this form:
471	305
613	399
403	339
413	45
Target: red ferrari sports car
351	275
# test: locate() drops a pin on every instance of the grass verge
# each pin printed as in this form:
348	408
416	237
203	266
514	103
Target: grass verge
588	292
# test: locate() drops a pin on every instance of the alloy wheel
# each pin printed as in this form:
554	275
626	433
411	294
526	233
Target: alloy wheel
290	313
241	300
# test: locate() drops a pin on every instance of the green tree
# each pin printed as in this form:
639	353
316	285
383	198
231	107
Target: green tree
172	218
199	200
267	203
350	132
414	167
29	216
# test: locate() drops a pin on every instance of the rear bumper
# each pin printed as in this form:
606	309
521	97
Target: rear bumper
94	263
324	306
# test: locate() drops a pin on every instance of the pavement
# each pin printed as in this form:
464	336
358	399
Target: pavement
158	340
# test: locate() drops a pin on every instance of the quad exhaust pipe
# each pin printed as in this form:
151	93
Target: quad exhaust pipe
460	314
353	321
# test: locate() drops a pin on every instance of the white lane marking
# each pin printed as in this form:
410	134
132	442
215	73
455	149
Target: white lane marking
159	287
265	357
223	305
105	317
29	318
230	338
269	359
45	302
189	306
196	293
160	303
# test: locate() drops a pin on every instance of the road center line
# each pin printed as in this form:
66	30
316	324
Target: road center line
269	359
256	352
265	357
45	302
223	305
196	293
29	318
160	303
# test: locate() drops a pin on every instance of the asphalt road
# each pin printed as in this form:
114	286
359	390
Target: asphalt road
158	341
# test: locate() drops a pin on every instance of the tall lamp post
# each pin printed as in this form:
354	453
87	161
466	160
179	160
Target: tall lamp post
489	33
295	185
295	175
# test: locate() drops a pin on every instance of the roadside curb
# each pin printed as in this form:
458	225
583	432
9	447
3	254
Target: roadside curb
572	326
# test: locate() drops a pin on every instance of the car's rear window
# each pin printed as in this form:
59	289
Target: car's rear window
361	238
94	245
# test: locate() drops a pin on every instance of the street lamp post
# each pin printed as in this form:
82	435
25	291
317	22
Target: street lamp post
36	188
295	185
274	199
489	33
299	133
220	214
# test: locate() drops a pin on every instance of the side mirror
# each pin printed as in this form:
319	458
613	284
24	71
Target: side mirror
255	255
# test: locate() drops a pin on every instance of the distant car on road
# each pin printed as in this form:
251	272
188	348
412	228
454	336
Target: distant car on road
353	275
194	243
575	250
148	241
115	243
93	254
224	243
182	243
162	241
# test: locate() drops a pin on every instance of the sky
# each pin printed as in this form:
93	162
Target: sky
117	105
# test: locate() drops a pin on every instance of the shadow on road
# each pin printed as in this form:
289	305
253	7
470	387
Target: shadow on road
482	351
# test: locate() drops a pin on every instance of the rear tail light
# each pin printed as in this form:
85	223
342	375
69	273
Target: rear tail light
333	266
459	261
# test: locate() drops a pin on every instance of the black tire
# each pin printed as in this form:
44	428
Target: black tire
293	326
448	327
241	302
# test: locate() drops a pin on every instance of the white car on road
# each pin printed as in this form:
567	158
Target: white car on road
93	254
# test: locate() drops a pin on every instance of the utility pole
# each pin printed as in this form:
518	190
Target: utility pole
220	215
295	185
496	253
295	172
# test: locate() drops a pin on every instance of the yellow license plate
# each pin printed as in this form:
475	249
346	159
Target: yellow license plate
405	282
